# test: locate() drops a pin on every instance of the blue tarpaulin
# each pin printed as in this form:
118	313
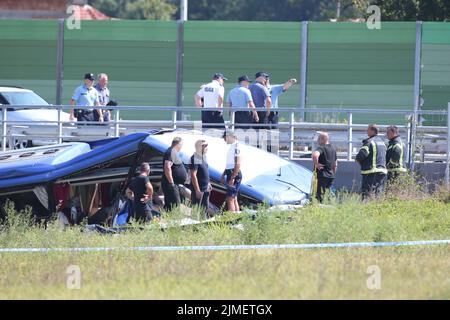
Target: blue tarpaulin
42	170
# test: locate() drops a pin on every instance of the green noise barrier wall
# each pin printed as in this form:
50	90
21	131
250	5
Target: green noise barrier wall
348	65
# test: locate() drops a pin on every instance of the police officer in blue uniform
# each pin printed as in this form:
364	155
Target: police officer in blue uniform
86	96
261	98
241	97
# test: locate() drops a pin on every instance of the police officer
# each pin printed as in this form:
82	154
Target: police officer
275	92
86	96
263	103
272	120
232	176
372	158
103	96
241	97
212	95
395	160
261	97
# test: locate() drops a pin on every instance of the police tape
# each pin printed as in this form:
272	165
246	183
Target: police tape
233	247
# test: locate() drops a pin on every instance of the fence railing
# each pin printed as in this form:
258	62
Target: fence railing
346	135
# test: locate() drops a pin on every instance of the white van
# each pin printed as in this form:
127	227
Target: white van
12	96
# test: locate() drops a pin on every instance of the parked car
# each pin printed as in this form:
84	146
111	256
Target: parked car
16	96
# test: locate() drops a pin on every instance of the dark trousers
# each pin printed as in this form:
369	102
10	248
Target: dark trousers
171	195
261	125
106	116
142	213
215	117
243	120
372	184
272	120
323	185
392	176
263	119
83	115
203	202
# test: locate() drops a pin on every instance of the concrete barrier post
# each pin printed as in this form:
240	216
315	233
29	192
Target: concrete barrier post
350	136
291	135
116	123
59	124
447	169
4	109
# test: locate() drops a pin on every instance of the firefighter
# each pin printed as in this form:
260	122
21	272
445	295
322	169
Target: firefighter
372	158
395	160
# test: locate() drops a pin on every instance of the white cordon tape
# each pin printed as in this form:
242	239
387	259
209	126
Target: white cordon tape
234	247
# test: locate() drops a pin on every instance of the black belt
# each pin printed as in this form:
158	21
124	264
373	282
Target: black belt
213	112
83	112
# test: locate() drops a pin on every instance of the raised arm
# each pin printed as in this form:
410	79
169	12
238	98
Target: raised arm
289	84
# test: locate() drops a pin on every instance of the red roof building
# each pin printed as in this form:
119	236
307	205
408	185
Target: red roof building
48	9
86	12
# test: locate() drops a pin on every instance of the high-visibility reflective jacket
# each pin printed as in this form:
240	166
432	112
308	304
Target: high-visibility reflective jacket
372	156
395	160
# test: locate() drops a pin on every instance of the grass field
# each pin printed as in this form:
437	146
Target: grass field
417	273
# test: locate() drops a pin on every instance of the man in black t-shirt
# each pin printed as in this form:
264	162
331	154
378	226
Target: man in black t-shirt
140	191
325	164
198	168
174	174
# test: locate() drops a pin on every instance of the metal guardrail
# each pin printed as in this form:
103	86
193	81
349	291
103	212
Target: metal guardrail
118	127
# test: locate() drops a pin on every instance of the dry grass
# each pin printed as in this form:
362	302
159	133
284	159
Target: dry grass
407	273
415	273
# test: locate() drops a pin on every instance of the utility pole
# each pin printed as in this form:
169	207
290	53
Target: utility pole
180	56
338	10
183	10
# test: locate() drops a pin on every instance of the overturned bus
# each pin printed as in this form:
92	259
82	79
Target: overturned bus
88	179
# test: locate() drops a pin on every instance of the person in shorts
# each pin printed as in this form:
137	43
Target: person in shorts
232	176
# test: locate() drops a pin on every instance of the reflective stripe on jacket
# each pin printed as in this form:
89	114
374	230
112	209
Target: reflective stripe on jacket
395	156
372	156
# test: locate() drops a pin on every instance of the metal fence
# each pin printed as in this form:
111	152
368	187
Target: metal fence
403	65
424	143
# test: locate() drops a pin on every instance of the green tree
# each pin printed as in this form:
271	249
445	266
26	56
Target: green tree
112	8
279	10
150	9
269	10
437	10
408	10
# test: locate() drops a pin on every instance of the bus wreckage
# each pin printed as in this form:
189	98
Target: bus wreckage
88	179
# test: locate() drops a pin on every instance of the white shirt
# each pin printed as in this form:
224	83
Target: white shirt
233	152
211	93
